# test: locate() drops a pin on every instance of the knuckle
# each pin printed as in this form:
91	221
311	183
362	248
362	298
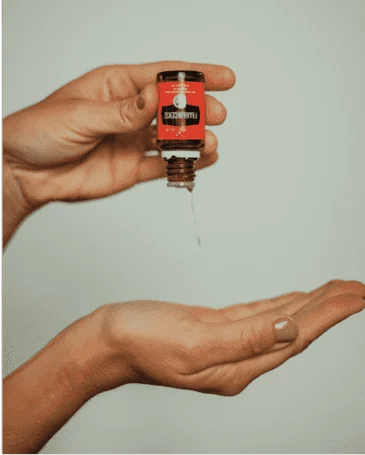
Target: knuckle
174	63
110	70
127	116
211	141
255	306
229	390
214	158
255	340
185	366
333	284
103	70
72	108
338	287
297	294
334	281
303	345
224	314
188	354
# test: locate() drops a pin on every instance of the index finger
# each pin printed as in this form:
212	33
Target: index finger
217	77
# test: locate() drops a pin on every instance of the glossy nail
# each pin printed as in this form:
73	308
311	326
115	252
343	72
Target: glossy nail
286	330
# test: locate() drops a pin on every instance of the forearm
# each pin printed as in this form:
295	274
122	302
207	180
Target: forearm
40	396
15	206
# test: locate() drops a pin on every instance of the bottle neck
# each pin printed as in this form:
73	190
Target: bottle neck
180	172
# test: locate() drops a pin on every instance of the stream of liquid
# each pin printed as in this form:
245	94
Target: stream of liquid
197	236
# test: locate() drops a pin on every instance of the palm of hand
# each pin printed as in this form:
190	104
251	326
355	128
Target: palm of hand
170	344
220	351
161	340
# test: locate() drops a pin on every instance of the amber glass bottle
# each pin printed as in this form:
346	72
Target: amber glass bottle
181	124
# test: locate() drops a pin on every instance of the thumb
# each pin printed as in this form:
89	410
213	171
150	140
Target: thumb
122	116
242	339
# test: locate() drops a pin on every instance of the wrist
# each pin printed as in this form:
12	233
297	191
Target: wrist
22	158
15	205
94	365
42	394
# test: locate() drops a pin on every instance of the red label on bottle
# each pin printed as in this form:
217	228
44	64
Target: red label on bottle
181	111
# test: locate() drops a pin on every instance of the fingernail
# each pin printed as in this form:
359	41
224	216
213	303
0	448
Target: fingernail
286	330
140	101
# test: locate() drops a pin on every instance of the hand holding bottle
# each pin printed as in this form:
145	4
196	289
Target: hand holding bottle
89	138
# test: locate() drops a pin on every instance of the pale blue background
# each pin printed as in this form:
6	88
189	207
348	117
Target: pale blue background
282	210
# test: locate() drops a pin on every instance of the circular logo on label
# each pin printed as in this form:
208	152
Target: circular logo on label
180	101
